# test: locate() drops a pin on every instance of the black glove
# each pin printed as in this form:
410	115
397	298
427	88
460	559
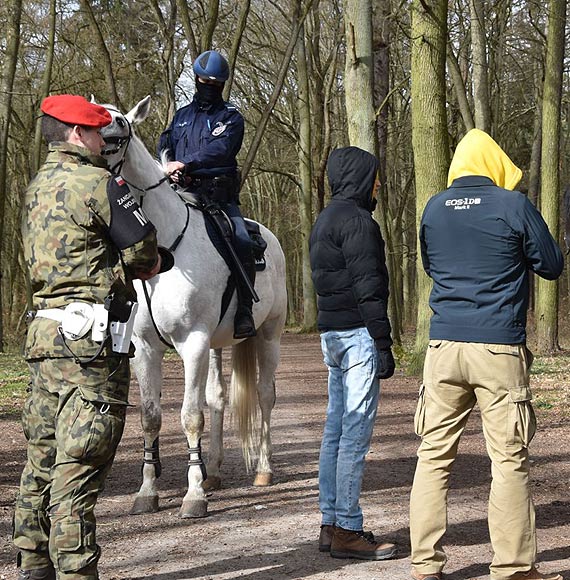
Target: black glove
386	364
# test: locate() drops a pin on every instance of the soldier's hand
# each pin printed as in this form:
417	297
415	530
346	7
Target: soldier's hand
149	274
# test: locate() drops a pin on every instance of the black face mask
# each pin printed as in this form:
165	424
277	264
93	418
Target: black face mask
373	204
208	94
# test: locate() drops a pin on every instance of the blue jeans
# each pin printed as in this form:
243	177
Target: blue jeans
353	386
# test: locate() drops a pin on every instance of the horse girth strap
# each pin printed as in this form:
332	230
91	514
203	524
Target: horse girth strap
147	298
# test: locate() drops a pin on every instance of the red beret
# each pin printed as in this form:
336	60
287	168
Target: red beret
76	110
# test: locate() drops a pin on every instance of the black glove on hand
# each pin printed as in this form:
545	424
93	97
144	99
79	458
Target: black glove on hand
386	364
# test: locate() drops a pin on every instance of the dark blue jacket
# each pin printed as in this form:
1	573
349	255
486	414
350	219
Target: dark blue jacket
206	140
347	251
478	243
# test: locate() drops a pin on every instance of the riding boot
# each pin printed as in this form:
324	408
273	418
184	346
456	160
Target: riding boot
244	326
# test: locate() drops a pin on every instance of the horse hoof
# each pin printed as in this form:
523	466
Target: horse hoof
263	479
212	483
194	509
147	504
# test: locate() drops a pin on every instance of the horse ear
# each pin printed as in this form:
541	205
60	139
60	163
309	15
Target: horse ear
139	112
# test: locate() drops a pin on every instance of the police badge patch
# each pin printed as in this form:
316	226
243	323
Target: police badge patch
219	129
129	224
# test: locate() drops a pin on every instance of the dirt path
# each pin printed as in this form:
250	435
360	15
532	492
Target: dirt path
266	534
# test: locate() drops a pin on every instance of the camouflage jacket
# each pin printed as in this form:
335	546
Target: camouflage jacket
67	247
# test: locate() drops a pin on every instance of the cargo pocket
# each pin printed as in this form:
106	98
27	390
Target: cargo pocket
74	541
521	417
29	530
26	414
420	414
96	428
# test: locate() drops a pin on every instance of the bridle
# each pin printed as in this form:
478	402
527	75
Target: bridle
119	143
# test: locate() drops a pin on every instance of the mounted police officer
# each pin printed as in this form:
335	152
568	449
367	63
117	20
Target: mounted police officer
201	145
85	239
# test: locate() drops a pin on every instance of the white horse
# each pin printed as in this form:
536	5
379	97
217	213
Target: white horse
185	308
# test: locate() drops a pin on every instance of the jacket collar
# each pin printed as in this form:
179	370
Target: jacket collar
472	181
82	154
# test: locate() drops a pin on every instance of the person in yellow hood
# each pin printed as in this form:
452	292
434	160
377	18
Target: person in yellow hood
479	242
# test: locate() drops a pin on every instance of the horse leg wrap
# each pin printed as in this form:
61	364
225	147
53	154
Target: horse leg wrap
152	457
195	458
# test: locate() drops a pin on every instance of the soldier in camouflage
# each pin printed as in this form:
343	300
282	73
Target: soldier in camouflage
85	238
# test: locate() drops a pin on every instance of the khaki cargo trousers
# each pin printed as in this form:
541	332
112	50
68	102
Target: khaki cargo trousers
456	376
73	421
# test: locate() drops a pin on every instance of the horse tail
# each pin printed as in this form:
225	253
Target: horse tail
243	396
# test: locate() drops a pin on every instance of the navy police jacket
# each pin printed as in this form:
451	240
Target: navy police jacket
207	140
347	251
478	243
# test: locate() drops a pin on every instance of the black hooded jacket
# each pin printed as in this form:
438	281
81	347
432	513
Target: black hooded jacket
347	250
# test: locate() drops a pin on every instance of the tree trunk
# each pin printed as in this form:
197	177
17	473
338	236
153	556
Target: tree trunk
182	6
46	83
381	76
480	73
359	75
429	135
6	87
103	52
283	71
236	42
305	173
211	22
460	92
546	309
168	30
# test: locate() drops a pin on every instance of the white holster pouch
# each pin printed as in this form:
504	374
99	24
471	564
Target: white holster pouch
76	319
121	332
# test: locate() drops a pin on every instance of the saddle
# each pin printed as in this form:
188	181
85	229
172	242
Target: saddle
219	226
216	221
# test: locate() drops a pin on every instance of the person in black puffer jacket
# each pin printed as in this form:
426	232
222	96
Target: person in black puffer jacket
351	280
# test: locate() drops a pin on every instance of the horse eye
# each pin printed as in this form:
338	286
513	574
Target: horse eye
120	122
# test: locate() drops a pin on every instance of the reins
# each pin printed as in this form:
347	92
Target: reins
171	248
123	143
119	142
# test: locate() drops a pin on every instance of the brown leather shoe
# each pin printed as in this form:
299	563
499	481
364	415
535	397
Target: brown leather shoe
325	538
360	545
430	576
534	574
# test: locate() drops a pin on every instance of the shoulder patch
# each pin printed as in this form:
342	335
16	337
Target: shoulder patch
129	224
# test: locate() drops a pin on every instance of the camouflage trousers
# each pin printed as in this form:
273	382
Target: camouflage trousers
73	421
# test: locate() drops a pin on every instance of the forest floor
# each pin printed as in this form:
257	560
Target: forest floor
271	533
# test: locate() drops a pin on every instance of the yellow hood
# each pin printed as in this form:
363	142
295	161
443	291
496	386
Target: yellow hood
478	154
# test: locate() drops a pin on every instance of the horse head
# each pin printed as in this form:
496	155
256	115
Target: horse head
126	153
567	218
119	133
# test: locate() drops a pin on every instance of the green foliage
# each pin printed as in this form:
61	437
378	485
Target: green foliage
13	382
